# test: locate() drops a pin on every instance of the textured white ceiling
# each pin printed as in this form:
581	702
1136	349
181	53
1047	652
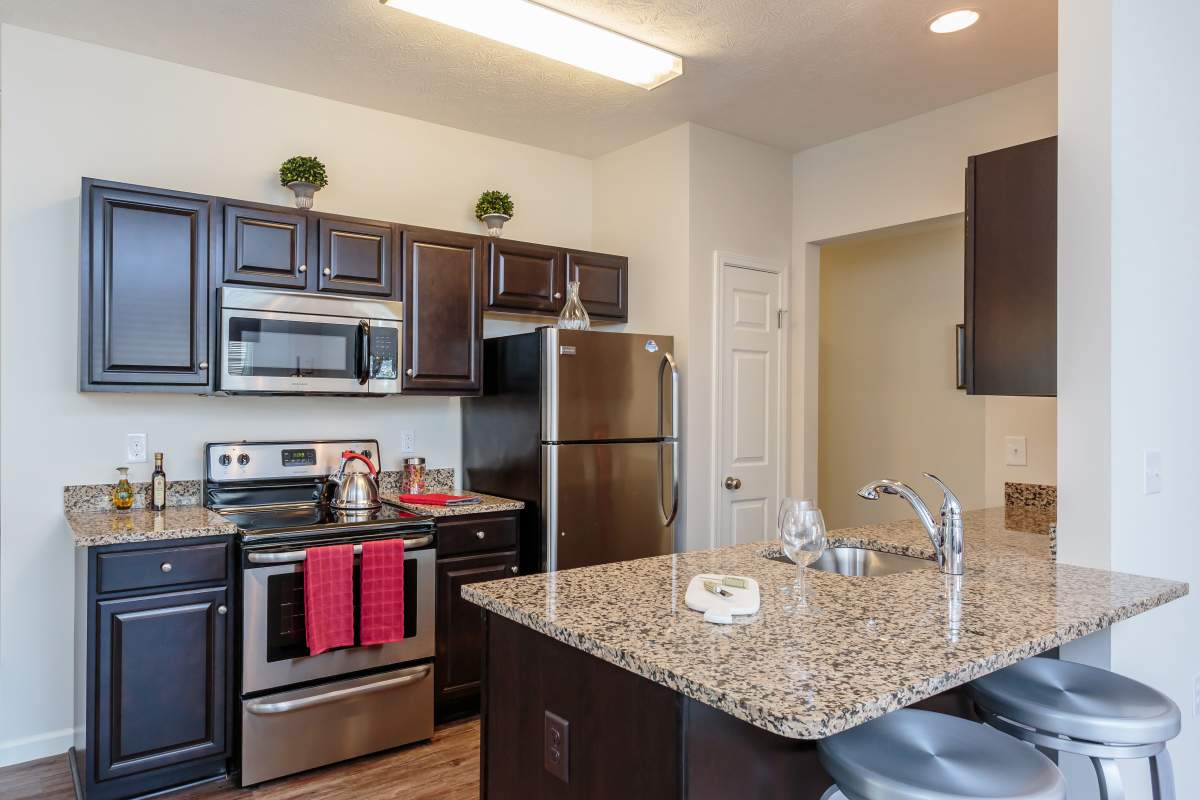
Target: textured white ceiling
791	73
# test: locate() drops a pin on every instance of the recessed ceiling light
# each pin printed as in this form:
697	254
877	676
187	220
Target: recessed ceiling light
953	21
553	34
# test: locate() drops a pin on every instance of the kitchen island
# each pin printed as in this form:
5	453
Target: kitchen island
600	682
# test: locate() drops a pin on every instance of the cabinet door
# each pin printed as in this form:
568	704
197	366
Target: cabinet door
144	280
160	678
459	625
356	257
443	318
265	247
524	277
603	283
1011	322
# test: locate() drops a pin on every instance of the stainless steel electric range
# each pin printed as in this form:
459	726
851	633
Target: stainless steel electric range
300	711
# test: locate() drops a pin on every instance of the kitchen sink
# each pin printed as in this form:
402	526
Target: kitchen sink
859	562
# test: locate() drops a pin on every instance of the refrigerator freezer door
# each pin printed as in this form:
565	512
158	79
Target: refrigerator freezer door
605	386
607	502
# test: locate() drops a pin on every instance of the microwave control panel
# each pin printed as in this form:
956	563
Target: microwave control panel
385	353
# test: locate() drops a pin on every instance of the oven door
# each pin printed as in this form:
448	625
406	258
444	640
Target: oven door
274	653
271	351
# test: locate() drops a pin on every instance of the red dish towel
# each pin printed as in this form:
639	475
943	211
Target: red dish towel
381	609
439	499
329	597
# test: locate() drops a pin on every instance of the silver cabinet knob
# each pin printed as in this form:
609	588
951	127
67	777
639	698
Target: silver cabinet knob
203	365
303	268
733	484
166	566
326	272
479	535
558	295
222	610
513	570
408	372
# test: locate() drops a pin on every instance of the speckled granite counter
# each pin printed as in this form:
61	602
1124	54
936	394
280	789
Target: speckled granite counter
878	645
488	504
93	528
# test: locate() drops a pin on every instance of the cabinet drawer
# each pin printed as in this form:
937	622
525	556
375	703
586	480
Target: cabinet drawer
473	535
167	566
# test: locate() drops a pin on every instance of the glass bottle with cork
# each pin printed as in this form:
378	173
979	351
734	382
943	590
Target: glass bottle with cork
158	485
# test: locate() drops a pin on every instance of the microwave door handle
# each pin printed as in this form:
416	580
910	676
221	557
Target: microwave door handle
363	349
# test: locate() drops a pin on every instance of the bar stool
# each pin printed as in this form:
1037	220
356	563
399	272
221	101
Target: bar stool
920	755
1073	708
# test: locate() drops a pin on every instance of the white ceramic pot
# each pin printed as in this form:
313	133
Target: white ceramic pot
304	192
494	222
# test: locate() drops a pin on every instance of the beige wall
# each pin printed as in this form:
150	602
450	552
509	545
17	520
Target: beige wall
887	402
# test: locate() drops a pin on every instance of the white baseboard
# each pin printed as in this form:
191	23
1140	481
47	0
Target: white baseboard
29	748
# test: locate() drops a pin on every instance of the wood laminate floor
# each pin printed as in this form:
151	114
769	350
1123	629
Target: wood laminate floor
446	768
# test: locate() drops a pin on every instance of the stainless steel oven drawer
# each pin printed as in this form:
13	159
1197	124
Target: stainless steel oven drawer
292	731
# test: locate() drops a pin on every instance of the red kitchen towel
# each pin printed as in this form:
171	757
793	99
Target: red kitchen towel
328	597
381	609
440	499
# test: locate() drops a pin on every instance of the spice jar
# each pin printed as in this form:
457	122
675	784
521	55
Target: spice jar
414	476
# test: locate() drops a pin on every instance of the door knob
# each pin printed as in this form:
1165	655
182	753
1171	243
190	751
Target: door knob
165	566
408	372
733	484
513	570
203	365
327	272
222	610
480	534
303	268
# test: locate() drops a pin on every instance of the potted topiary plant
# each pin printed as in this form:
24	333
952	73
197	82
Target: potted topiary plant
304	175
494	208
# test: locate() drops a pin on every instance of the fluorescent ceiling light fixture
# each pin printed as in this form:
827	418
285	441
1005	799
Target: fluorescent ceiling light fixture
553	34
953	21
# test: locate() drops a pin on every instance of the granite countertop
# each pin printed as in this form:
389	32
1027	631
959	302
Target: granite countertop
489	503
879	644
94	528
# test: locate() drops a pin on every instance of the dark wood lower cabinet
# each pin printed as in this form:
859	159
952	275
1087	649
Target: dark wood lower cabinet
153	669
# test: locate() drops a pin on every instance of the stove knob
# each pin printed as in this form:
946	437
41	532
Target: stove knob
244	459
225	460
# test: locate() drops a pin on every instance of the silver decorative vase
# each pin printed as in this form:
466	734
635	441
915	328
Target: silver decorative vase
304	192
495	223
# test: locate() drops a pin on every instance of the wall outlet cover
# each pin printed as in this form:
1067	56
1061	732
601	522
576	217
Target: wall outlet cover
1153	471
408	442
135	448
1014	451
557	739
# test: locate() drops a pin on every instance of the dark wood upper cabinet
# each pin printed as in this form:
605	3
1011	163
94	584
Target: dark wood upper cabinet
1011	271
265	247
356	256
443	315
603	283
144	258
525	277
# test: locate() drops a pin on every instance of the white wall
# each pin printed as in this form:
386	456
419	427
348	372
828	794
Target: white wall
902	173
70	110
1128	291
1035	418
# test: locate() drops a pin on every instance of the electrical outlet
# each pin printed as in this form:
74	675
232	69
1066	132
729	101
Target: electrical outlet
1014	451
408	442
1154	471
557	737
135	448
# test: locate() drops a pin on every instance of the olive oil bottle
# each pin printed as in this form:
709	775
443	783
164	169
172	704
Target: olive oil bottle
158	485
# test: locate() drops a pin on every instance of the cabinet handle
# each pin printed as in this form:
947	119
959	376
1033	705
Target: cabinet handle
558	295
480	534
408	372
166	566
203	365
326	272
303	268
222	610
513	569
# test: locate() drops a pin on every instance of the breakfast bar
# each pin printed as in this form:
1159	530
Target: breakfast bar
600	682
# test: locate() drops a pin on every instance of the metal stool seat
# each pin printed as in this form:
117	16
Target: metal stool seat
1073	708
920	755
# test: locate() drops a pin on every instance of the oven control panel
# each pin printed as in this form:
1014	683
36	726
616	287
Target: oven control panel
250	461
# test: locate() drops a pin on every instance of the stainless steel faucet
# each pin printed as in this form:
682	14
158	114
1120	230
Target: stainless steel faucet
947	537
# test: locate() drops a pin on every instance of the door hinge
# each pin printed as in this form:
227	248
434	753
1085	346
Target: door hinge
779	318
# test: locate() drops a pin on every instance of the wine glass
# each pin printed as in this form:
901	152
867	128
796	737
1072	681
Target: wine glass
802	534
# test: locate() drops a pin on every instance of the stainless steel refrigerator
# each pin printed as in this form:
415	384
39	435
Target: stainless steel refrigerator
584	427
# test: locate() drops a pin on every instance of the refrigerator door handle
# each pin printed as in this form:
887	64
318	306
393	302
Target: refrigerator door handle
669	361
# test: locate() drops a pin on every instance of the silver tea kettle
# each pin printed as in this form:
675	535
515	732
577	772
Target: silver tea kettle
355	491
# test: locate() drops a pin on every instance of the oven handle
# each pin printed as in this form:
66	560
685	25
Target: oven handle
297	556
283	707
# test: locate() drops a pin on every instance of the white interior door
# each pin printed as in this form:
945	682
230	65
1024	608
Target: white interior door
749	424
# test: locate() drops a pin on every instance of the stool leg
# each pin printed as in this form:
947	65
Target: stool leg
830	793
1162	777
1109	777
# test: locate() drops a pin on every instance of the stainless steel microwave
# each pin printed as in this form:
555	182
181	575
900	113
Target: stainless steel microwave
291	343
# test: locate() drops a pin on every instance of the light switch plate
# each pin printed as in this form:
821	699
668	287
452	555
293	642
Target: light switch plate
135	448
1154	471
408	442
1014	451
